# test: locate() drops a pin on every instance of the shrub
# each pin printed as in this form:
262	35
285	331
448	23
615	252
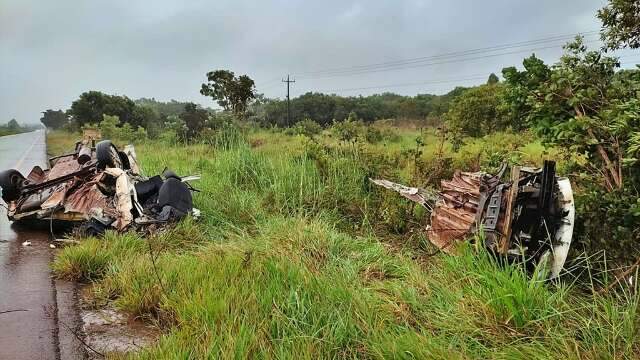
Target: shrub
140	135
373	135
109	126
349	130
608	221
126	133
308	128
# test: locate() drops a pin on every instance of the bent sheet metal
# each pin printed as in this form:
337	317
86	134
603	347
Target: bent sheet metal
98	186
528	216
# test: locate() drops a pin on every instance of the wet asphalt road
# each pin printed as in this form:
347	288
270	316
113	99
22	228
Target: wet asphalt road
33	306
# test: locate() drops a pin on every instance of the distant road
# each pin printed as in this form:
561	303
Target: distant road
30	300
23	151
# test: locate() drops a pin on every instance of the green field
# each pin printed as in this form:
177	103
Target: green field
297	256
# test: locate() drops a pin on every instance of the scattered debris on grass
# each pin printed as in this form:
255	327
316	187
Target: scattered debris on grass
531	221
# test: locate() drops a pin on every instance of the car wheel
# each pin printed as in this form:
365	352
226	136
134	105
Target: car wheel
126	164
170	174
107	155
11	184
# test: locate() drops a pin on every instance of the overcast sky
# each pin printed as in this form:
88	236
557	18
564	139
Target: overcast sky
52	51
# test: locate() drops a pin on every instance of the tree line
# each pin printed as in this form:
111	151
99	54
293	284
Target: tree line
13	127
324	109
327	108
91	107
152	117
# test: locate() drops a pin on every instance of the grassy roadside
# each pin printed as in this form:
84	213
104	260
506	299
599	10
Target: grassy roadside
290	260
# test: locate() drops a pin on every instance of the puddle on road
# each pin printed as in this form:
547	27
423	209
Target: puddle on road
110	331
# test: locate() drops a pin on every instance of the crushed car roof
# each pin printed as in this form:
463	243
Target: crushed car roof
99	186
528	216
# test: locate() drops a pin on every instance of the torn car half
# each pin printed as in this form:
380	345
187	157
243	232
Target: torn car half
528	217
97	185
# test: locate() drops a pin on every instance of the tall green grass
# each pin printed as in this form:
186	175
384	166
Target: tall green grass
285	263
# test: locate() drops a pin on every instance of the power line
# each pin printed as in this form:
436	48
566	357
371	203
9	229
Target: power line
429	82
394	68
456	53
438	62
430	60
446	58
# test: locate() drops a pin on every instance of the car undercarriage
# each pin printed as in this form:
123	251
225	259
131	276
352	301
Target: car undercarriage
527	218
98	187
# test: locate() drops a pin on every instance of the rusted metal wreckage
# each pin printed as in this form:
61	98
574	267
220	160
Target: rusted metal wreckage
528	217
99	187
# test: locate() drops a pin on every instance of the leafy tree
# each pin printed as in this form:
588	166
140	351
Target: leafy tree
148	118
126	133
308	128
162	109
493	79
620	24
373	135
582	104
406	109
13	125
195	119
520	85
175	129
256	111
91	105
54	119
604	128
570	109
272	112
140	134
324	108
220	120
348	130
232	93
109	126
476	112
319	107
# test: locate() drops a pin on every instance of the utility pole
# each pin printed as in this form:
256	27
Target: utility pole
288	81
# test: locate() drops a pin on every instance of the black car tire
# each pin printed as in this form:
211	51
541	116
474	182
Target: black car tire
11	184
107	155
124	159
170	174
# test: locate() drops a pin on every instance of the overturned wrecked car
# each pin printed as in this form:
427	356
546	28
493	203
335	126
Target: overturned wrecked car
528	218
98	187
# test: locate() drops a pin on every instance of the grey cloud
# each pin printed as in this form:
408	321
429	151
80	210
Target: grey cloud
51	51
